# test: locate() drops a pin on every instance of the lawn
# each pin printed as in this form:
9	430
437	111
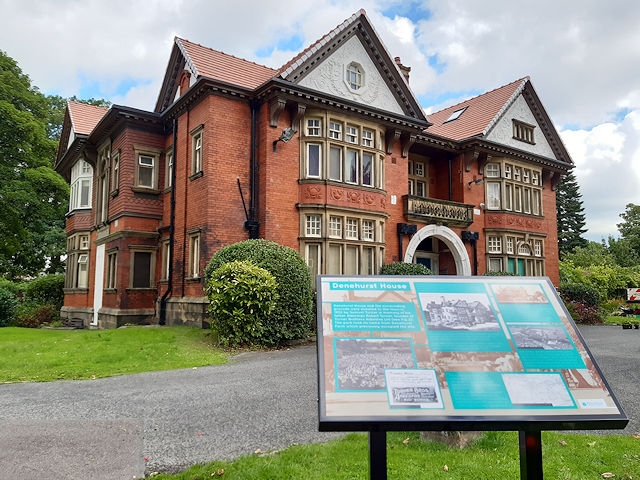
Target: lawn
566	456
43	355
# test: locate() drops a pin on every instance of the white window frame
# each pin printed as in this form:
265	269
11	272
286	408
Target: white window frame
314	127
368	138
313	225
368	228
493	195
492	170
335	226
354	76
336	170
197	146
351	229
494	244
193	270
311	173
335	130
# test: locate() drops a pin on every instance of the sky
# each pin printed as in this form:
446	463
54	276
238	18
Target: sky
583	58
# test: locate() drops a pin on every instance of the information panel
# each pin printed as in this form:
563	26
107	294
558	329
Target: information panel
454	353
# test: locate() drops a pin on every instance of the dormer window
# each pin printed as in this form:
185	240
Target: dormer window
523	132
354	76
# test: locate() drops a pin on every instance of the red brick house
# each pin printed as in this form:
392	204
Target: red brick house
331	155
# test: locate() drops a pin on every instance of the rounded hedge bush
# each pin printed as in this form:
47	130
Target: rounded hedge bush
293	316
242	296
402	268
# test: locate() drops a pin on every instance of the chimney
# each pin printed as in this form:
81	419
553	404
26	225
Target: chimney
404	70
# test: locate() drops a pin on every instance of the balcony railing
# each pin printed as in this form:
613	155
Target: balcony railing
429	210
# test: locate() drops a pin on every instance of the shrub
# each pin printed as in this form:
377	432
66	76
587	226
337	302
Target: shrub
8	303
402	268
580	292
499	274
293	316
33	315
584	313
46	290
242	296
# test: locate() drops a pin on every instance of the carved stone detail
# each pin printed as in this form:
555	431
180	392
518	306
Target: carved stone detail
392	137
276	105
336	194
312	192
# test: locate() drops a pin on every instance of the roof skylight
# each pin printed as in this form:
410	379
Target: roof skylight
455	115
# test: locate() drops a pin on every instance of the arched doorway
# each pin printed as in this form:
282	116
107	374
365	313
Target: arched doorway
418	249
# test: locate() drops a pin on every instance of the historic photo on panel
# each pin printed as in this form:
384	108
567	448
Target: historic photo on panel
471	312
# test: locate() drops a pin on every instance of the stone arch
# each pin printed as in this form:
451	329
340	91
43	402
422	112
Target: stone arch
448	236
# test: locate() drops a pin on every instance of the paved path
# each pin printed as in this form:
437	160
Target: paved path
122	427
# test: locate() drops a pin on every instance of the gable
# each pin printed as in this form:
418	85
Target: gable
330	77
502	131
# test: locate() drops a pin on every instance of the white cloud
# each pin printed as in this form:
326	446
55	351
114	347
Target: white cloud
583	57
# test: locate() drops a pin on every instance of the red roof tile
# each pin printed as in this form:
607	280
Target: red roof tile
85	117
216	65
480	113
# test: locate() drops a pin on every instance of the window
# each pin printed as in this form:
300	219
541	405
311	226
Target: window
526	200
312	254
347	154
352	167
166	259
455	115
536	205
509	245
526	175
335	130
493	195
83	271
535	178
537	248
517	198
313	160
492	170
351	134
507	171
351	229
367	169
521	256
508	196
193	270
417	174
77	272
335	227
168	178
335	163
81	181
313	127
145	171
349	248
367	138
368	229
141	276
115	172
495	265
196	151
354	77
102	195
313	226
494	244
517	171
111	276
523	132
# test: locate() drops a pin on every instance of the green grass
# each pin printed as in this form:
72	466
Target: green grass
43	355
566	456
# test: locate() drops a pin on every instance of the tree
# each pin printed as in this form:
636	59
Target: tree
33	197
626	249
570	213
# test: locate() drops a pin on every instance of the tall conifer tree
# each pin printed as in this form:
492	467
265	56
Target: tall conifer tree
571	218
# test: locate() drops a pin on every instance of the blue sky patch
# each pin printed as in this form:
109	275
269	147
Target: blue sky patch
293	43
414	10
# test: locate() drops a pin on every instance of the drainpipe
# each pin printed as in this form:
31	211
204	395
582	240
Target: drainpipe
252	225
172	220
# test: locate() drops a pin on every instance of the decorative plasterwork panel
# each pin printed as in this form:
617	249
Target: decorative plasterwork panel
502	132
329	77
